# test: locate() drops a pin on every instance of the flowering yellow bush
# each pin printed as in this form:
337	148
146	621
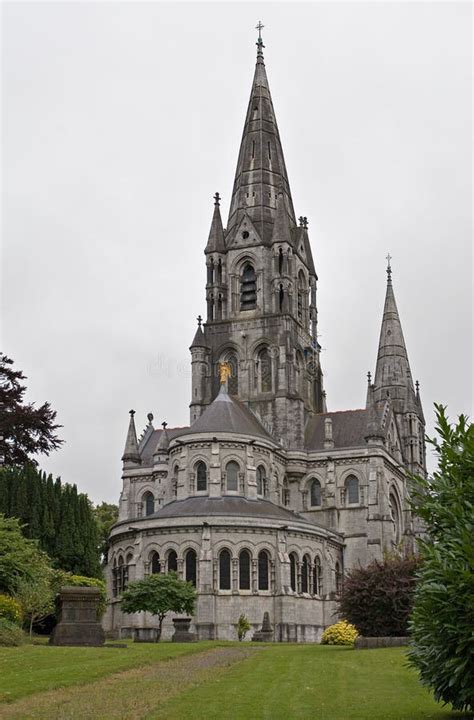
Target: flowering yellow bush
342	633
10	609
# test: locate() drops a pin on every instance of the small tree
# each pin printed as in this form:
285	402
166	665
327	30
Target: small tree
378	598
36	598
443	615
159	594
25	429
243	626
106	515
19	557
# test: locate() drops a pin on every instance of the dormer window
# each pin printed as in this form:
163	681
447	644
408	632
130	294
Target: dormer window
248	288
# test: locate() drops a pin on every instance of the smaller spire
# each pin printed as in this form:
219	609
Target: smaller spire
216	241
164	441
389	268
199	338
130	453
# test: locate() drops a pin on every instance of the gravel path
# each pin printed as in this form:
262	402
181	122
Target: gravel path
129	695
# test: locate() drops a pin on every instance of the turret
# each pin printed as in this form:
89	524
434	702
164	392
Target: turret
200	371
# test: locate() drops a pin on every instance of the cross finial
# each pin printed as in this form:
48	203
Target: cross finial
417	386
260	44
199	319
389	267
305	222
132	412
217	199
301	221
369	377
164	424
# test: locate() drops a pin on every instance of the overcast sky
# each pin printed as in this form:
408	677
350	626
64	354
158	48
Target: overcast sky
120	121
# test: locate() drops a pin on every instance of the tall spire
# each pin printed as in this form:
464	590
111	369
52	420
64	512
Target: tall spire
261	171
216	233
392	374
130	453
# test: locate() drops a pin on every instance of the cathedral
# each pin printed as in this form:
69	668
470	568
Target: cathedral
267	498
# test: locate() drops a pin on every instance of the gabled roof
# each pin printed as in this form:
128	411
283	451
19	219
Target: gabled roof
146	452
349	429
229	415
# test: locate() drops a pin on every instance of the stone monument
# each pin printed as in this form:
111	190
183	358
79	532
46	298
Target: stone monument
181	630
78	622
266	633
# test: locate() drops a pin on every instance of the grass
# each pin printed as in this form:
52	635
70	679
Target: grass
34	668
226	681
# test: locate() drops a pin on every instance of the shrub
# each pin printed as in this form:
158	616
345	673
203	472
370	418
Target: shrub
10	634
10	609
243	626
442	648
63	579
342	633
378	598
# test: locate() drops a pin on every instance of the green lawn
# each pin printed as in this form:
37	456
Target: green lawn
307	681
246	682
33	668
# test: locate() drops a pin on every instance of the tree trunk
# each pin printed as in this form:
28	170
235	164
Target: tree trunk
160	625
31	626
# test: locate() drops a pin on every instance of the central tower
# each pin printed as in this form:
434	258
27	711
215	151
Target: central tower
261	288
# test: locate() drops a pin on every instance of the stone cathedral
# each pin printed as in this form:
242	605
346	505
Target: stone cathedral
267	498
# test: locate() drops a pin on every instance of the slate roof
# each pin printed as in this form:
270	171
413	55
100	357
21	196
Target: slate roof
228	506
349	428
146	452
228	414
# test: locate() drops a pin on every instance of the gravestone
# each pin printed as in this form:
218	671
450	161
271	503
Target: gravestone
78	623
266	633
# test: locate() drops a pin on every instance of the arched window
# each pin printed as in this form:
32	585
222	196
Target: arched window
155	564
248	288
224	570
219	307
120	575
263	562
293	564
126	570
315	493
338	579
280	261
281	297
352	489
219	271
261	481
210	272
175	481
191	566
305	574
301	296
114	578
264	371
201	477
395	515
285	493
148	503
244	570
317	577
232	476
172	561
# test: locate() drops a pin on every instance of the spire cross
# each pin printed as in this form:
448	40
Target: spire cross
217	199
417	386
259	27
199	319
163	425
132	413
389	267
